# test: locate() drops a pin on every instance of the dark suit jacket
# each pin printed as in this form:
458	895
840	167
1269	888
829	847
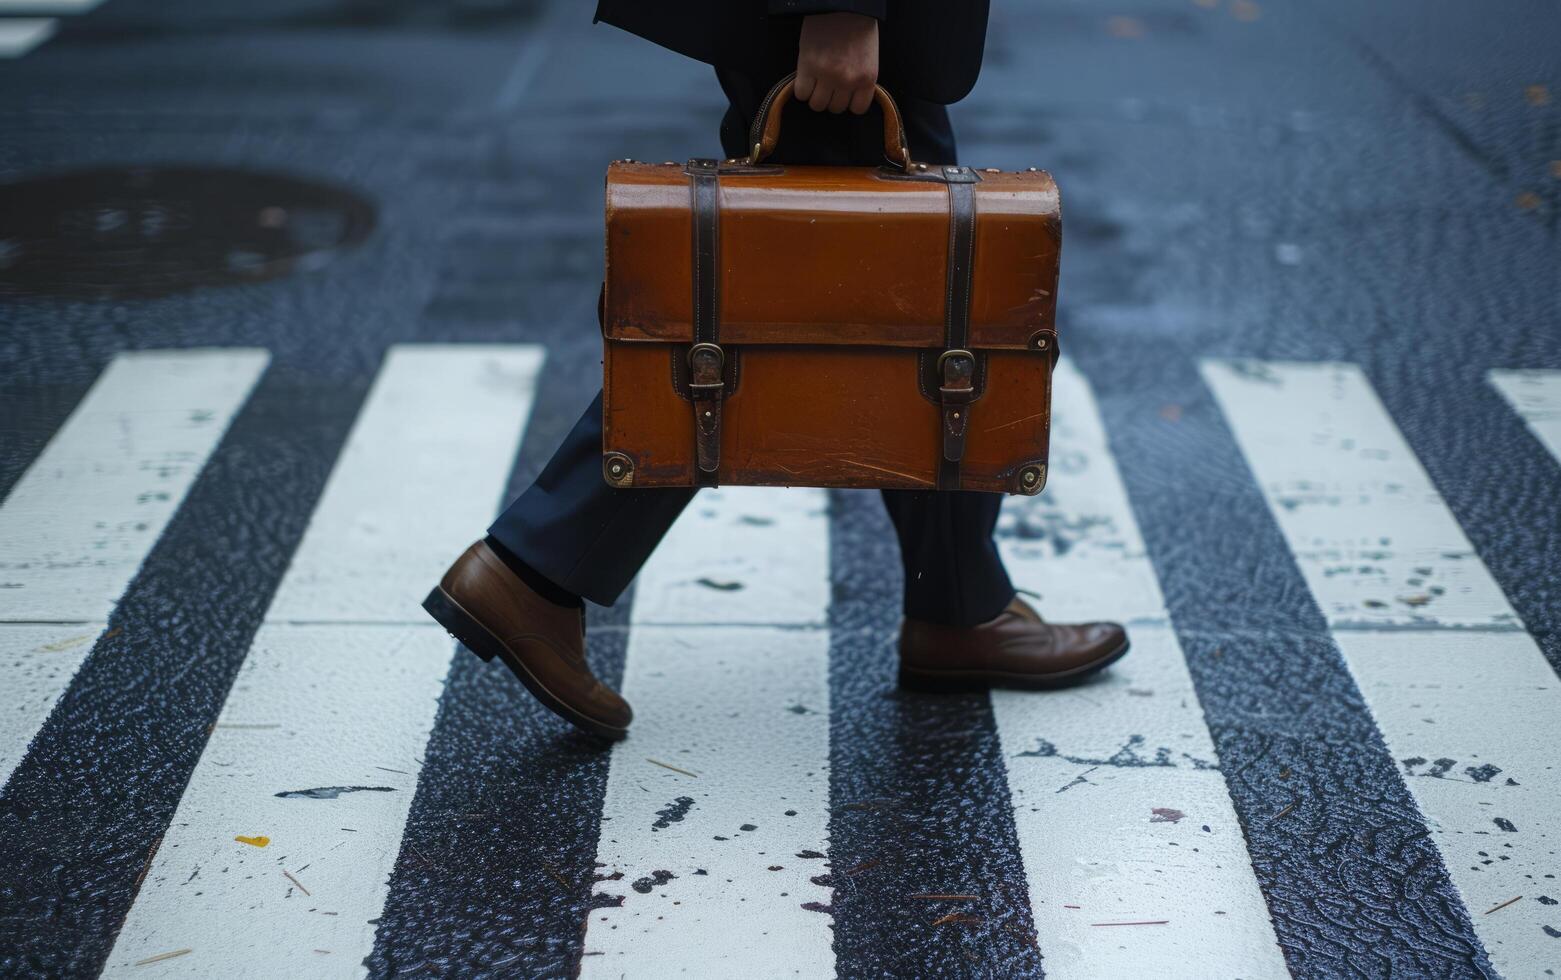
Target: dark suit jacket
929	49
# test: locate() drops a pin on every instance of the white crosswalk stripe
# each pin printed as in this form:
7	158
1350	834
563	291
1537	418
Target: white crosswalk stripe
19	35
79	523
319	743
715	859
1536	396
1462	695
1117	781
47	6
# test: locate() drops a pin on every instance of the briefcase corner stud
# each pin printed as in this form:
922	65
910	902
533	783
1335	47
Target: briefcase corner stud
618	470
1030	479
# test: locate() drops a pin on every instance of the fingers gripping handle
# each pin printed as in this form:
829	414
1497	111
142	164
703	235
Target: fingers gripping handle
767	125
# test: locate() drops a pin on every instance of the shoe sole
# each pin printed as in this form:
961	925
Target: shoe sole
937	681
470	633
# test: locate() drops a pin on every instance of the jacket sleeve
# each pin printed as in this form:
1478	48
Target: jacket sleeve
872	8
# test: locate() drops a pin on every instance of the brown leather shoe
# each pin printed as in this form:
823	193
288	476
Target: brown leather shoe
1016	649
495	614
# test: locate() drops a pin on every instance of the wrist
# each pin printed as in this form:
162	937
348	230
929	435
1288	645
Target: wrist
876	9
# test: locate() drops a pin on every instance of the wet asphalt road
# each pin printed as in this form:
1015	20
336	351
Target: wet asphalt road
1377	184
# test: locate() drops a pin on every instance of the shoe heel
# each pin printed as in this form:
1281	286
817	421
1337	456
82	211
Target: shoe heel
934	683
459	624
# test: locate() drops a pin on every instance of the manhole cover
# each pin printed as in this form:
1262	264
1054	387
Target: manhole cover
151	231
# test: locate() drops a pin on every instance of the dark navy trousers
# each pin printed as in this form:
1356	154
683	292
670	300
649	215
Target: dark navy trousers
591	539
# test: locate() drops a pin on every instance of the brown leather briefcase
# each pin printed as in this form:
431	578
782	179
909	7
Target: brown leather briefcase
888	327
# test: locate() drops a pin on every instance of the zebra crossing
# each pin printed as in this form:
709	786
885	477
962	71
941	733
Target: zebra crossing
1536	397
1437	651
1126	763
714	831
21	34
77	526
727	669
337	697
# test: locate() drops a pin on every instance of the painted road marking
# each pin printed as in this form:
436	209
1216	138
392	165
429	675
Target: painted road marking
79	523
743	556
716	812
1536	396
65	7
1465	700
319	744
1373	538
1121	810
19	35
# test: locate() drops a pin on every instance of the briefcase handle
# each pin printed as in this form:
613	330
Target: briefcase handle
767	124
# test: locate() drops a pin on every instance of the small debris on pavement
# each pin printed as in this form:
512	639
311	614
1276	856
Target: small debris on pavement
553	873
296	882
163	956
329	792
653	880
1504	904
66	644
668	765
260	841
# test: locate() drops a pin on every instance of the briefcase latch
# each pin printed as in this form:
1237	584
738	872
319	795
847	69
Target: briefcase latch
707	385
957	373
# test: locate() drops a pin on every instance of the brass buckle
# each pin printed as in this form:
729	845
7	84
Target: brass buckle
720	355
956	352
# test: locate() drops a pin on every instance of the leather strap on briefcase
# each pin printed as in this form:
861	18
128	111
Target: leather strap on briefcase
706	359
957	365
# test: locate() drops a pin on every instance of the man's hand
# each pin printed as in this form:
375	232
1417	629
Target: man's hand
837	62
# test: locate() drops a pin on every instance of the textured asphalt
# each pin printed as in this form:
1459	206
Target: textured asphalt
1317	180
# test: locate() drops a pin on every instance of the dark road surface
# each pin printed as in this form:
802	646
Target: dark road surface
1310	283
